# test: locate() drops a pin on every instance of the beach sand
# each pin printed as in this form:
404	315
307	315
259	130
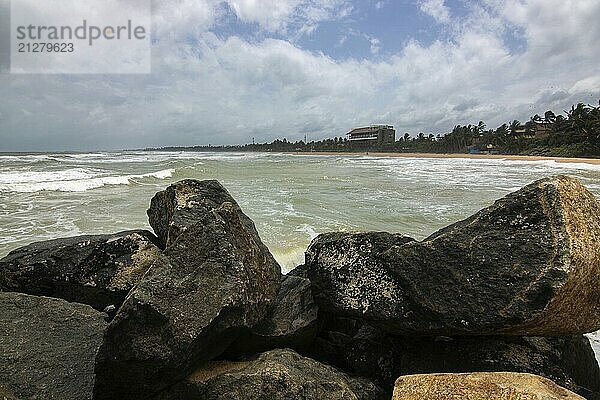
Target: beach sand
595	161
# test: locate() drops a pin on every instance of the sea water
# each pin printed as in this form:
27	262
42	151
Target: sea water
291	198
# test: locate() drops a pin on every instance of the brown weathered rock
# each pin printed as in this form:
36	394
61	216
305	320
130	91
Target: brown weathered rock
527	265
214	280
480	385
274	375
98	270
47	347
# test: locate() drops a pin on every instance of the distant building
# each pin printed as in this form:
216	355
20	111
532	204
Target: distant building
374	134
541	129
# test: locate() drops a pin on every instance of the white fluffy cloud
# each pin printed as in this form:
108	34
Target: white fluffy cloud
278	15
436	9
227	90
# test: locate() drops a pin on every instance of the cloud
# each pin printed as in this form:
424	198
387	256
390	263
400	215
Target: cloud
208	88
281	15
375	45
436	9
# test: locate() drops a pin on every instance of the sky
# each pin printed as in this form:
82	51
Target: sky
225	72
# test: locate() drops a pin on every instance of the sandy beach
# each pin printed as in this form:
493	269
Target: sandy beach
595	161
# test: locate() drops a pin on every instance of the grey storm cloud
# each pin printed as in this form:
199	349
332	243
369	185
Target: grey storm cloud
215	89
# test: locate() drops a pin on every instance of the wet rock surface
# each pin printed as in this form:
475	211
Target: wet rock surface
527	265
214	280
98	270
47	347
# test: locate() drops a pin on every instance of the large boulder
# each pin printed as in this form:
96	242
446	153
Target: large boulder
47	347
480	385
527	265
214	280
370	352
98	270
274	375
290	323
182	204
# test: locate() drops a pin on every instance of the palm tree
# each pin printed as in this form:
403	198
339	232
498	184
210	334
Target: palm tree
549	117
480	127
514	127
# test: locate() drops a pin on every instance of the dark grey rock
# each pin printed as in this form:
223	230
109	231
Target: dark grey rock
594	339
6	394
214	280
370	352
98	270
527	265
300	271
568	361
290	323
47	347
175	209
275	375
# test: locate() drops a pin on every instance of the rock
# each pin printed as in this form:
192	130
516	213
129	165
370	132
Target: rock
480	385
47	347
300	271
594	339
175	209
214	280
6	394
527	265
290	323
98	270
369	352
567	360
275	375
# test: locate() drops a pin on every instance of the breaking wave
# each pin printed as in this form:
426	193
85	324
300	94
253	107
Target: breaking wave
70	180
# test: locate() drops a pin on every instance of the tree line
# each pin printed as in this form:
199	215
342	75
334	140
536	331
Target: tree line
574	133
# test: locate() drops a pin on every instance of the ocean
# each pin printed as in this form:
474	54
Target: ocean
291	198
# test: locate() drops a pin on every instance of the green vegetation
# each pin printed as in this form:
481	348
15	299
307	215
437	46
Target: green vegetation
574	134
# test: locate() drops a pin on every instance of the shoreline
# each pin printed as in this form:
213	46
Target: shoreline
567	160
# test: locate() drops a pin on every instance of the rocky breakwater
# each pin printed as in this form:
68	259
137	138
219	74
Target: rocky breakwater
214	279
201	310
474	296
527	265
98	270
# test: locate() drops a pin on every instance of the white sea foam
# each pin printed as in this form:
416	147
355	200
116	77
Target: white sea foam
25	158
308	229
26	176
290	198
289	258
70	180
